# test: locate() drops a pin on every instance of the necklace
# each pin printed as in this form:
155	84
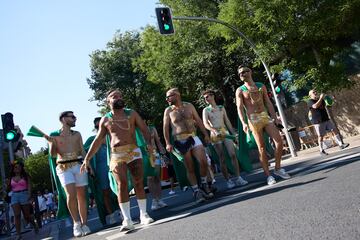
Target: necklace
254	95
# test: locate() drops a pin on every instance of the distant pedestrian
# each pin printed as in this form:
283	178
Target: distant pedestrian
20	187
322	123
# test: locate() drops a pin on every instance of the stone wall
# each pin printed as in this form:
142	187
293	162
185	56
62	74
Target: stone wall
345	111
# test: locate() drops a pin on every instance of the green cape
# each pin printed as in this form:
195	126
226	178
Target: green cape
93	184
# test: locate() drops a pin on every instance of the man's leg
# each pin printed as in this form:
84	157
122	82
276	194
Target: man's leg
82	203
220	152
274	134
229	144
259	139
137	174
320	131
71	201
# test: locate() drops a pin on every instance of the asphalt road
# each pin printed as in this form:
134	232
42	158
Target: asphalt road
320	201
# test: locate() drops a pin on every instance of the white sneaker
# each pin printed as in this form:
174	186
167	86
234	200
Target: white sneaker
270	180
282	173
230	184
85	229
145	219
240	181
171	192
162	203
155	205
77	230
112	219
127	225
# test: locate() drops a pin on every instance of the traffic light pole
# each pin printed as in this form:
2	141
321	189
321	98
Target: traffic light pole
252	45
3	181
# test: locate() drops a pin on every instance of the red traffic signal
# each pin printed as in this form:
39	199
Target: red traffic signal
164	18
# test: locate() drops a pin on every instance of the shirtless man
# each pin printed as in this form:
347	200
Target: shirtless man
67	147
217	122
119	125
253	97
181	117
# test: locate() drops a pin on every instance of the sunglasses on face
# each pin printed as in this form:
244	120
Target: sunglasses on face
171	95
207	96
73	117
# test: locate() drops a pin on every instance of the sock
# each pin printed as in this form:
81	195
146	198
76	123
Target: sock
321	145
195	188
203	179
142	206
338	139
125	210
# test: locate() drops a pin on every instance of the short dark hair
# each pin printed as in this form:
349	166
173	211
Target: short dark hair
208	91
96	120
243	66
64	114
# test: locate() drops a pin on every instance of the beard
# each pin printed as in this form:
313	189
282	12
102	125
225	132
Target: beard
173	102
118	104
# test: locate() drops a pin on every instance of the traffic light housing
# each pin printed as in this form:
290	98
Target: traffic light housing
10	133
164	18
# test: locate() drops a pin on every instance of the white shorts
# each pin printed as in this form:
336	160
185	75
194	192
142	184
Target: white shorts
72	175
322	128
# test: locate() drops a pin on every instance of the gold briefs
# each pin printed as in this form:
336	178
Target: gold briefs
220	137
259	120
124	154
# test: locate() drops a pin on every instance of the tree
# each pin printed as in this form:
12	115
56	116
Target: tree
37	166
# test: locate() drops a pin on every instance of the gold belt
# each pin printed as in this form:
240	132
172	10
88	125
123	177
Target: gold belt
124	148
183	136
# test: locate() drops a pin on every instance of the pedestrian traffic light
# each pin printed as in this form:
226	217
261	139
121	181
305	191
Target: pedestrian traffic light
10	133
164	18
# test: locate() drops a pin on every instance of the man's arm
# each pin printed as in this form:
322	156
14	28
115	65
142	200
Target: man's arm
227	122
269	105
157	141
95	144
318	103
205	117
199	123
166	129
240	106
139	122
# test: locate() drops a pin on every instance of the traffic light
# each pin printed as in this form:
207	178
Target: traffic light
10	133
163	15
277	82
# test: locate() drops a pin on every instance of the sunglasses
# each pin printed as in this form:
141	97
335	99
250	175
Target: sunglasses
207	96
73	117
171	95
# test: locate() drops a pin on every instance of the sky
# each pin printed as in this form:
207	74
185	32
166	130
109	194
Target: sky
44	57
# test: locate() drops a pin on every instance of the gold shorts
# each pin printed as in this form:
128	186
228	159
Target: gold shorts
259	120
124	154
220	137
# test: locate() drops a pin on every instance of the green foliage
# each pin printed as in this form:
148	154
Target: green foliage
37	166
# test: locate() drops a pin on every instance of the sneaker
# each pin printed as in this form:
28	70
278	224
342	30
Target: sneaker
240	181
112	219
213	181
230	184
343	146
323	153
282	173
162	203
185	188
171	192
127	225
85	229
198	196
270	180
145	219
206	191
77	230
155	205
